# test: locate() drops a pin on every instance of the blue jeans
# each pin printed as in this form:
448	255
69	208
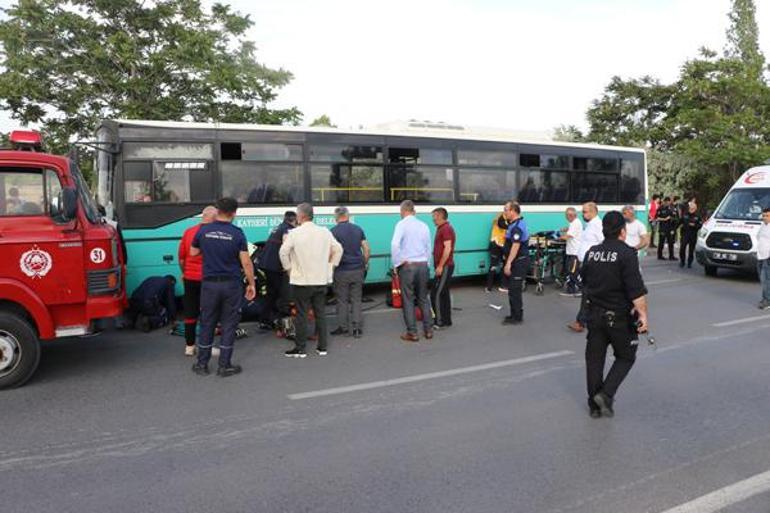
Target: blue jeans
220	303
763	266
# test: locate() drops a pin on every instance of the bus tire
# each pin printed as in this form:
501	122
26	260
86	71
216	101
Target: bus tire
710	270
19	350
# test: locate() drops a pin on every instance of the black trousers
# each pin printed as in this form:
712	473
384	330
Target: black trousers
277	294
515	284
572	266
440	297
495	263
666	237
623	339
307	297
191	302
687	246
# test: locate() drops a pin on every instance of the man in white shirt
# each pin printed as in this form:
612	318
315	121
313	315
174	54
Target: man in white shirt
307	254
572	234
763	258
592	236
410	251
636	232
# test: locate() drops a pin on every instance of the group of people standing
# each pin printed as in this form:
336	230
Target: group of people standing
670	217
300	261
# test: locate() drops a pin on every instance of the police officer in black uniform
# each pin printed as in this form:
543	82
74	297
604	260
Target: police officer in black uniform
617	302
516	250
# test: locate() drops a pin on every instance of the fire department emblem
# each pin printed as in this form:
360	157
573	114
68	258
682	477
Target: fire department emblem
35	263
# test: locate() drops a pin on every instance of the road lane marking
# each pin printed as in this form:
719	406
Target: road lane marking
428	376
661	282
741	321
727	496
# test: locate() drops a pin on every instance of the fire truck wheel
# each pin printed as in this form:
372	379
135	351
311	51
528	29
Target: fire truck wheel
19	350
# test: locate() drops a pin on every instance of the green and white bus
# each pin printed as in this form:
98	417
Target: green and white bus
155	177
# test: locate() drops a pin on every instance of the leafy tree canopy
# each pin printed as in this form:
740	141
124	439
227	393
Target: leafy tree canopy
715	117
65	64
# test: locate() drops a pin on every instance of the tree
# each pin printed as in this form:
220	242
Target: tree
743	35
66	64
713	121
568	133
323	120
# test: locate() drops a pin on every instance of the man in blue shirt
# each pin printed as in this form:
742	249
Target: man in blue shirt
224	251
410	251
349	275
517	260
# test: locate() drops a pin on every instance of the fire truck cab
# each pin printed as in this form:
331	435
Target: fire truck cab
61	265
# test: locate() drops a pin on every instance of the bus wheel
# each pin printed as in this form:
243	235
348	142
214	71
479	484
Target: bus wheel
19	350
710	270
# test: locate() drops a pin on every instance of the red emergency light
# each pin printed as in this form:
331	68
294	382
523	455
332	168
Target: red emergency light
28	140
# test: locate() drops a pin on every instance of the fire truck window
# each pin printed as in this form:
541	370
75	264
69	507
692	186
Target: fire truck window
53	194
21	193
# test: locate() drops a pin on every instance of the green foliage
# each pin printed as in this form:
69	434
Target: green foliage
568	133
704	129
66	64
323	120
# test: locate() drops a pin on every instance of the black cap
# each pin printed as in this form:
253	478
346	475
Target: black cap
612	223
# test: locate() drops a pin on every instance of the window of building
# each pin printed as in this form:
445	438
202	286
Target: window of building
601	188
422	184
345	153
417	156
346	183
544	187
252	183
486	158
486	185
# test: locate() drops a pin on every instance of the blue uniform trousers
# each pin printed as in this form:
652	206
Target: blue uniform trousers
220	303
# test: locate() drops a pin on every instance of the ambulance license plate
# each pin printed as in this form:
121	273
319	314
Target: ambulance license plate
730	257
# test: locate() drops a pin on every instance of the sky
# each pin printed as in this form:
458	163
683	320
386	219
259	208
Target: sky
516	64
526	65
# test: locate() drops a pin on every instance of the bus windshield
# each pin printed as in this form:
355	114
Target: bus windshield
744	204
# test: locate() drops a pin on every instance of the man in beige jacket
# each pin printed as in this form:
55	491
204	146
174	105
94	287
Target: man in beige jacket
307	254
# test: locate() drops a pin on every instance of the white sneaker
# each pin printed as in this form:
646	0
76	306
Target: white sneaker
189	350
215	351
501	289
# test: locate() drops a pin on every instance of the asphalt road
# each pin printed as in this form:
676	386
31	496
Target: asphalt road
484	418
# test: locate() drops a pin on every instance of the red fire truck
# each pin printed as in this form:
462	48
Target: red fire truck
61	267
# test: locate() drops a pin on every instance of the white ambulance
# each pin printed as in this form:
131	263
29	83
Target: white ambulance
729	238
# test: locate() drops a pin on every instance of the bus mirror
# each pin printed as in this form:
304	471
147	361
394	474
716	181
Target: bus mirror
70	202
